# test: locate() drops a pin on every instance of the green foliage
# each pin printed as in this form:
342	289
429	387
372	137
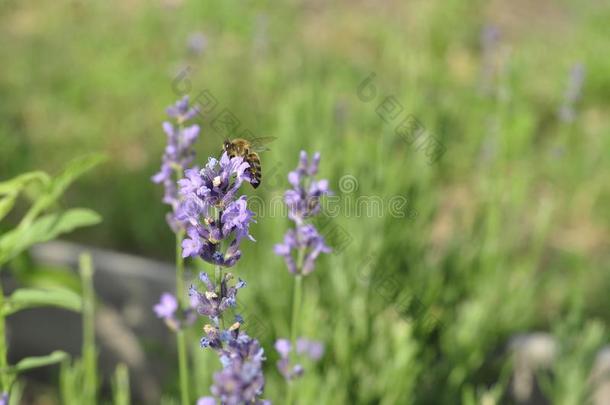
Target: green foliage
120	386
25	298
40	361
510	221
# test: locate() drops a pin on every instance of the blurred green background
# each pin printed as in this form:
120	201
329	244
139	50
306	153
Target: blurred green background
511	230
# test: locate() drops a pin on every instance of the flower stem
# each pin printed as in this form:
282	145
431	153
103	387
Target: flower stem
218	280
89	351
297	297
4	377
180	334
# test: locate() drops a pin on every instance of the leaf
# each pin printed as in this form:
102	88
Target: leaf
58	186
25	298
44	229
7	203
15	184
40	361
74	169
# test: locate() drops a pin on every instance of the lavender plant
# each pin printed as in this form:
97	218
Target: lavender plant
301	247
207	209
177	157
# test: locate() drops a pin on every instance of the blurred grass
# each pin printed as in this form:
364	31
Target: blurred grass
512	221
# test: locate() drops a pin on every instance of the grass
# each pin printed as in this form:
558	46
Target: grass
512	222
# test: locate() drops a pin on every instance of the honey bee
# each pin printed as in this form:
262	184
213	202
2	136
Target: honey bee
249	149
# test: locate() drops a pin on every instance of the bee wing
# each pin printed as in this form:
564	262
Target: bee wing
258	144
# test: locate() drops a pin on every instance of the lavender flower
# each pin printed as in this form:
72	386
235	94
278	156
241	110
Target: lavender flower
310	348
303	245
4	399
303	200
212	213
206	401
573	93
304	242
216	299
178	154
241	380
166	309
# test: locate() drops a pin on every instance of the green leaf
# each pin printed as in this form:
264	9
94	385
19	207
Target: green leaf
7	203
25	298
43	229
58	186
75	169
16	184
41	361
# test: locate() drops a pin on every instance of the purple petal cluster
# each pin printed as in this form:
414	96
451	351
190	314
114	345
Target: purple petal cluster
241	379
213	214
215	299
167	309
305	239
178	154
303	245
303	200
4	399
310	348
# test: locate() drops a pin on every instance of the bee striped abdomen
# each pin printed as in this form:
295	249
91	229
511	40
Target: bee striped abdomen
254	169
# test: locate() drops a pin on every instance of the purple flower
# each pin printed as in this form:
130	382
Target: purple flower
206	401
178	155
311	348
215	299
303	245
4	399
167	306
241	379
212	212
167	309
305	239
303	200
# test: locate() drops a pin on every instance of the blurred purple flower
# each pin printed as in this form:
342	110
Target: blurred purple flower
178	155
206	401
4	399
310	348
303	200
167	309
304	239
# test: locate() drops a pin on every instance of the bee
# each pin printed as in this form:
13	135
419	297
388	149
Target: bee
249	150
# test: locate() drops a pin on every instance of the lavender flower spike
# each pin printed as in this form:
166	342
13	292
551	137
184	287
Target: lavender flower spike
212	213
307	239
303	200
178	155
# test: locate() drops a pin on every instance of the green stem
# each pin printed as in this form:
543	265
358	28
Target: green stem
180	334
4	377
218	280
297	298
89	352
